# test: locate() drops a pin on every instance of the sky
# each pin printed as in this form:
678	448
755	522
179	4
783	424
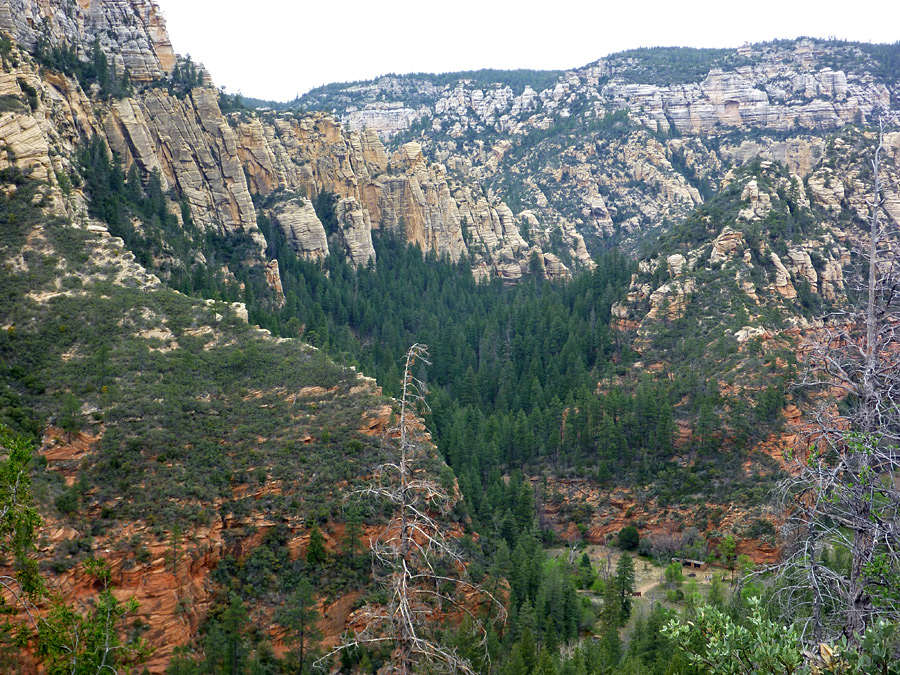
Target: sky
276	49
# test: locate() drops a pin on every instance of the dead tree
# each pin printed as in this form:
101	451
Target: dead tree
413	556
843	492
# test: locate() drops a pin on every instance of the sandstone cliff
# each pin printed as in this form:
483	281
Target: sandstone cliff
623	148
132	32
402	193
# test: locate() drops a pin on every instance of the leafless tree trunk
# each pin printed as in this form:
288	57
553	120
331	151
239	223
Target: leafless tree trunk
844	493
413	550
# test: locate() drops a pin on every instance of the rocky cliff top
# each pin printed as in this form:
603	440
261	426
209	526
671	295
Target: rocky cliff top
132	32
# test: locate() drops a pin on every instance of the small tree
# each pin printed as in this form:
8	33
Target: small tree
300	617
18	527
316	553
625	583
728	550
88	643
629	538
68	640
70	417
674	575
352	535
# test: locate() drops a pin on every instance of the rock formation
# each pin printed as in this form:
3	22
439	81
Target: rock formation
302	228
131	32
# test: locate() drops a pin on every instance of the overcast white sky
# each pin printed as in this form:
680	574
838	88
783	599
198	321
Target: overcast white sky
275	49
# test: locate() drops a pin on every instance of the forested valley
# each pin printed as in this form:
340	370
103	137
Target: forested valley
629	405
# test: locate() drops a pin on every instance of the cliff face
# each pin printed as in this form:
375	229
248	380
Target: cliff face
159	523
132	32
402	193
623	148
196	151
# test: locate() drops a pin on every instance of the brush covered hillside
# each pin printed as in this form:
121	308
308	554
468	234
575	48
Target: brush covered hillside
614	268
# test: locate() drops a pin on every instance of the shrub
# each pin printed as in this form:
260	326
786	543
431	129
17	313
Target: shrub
629	538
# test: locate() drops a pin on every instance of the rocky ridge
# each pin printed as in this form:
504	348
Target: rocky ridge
650	146
401	193
207	159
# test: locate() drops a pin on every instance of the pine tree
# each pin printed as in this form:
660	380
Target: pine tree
625	584
316	553
611	614
300	616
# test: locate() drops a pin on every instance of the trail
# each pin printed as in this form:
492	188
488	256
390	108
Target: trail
647	587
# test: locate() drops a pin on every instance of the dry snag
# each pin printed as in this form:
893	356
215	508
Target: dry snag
843	498
413	557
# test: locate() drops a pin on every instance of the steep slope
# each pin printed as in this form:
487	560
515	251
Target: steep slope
175	429
174	438
208	448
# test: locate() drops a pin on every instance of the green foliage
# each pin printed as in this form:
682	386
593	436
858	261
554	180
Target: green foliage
174	250
18	518
70	418
667	66
316	553
625	583
718	645
30	92
229	103
299	616
225	644
75	643
95	70
629	538
185	77
324	205
674	574
727	550
67	641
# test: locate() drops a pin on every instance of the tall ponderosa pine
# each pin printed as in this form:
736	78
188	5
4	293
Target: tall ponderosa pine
300	617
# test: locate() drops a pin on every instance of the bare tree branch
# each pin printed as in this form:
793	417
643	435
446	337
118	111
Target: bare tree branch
412	552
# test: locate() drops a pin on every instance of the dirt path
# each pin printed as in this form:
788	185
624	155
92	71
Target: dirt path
647	587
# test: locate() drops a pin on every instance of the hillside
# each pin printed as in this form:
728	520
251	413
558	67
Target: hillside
614	267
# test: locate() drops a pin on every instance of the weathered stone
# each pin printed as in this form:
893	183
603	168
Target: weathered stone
782	283
131	32
801	265
302	228
827	191
356	230
23	144
749	332
671	298
759	202
726	245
